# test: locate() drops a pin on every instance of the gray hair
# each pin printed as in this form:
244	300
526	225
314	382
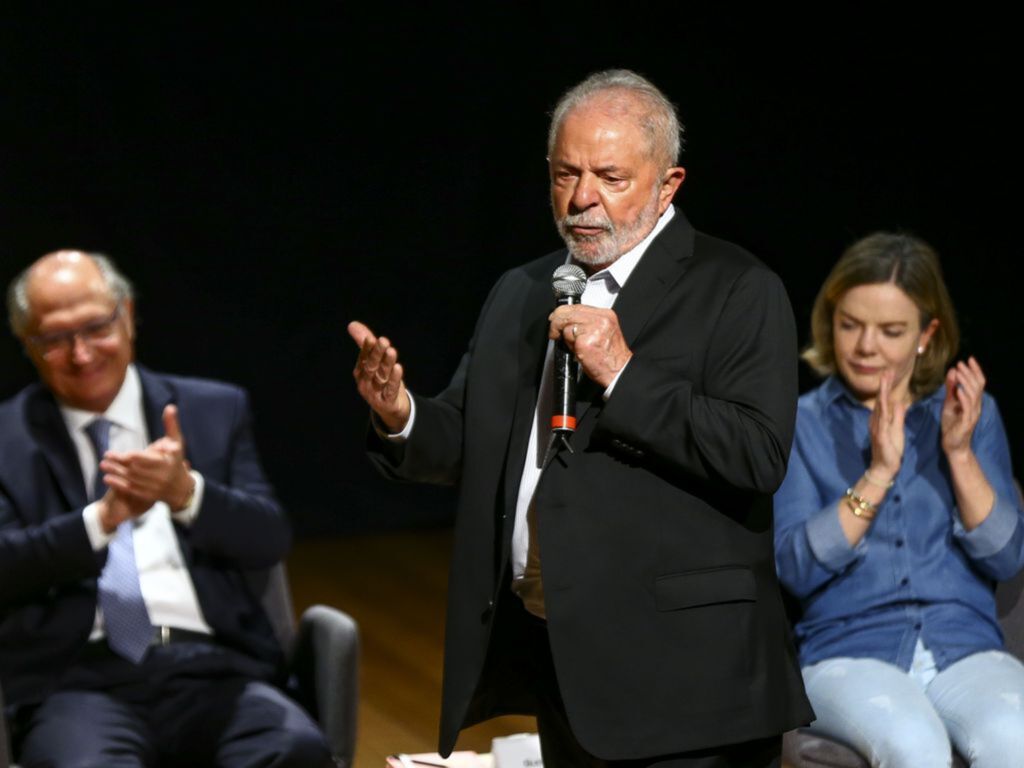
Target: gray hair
658	120
19	310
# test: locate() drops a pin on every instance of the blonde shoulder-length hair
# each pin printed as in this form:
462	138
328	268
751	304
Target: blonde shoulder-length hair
910	264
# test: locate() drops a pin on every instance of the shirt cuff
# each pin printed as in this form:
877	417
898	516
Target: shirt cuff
610	387
828	542
992	535
395	437
188	515
98	538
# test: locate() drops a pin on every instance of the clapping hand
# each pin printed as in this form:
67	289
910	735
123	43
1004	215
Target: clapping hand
965	385
159	472
887	433
136	480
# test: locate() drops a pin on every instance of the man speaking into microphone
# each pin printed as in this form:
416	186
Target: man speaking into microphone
619	583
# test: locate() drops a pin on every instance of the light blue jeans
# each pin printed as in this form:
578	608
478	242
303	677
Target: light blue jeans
907	720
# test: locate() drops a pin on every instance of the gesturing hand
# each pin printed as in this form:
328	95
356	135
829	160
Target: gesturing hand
965	385
159	472
886	428
378	376
594	336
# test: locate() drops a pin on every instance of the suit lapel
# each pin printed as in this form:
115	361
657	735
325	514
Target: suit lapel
661	266
156	395
51	435
659	269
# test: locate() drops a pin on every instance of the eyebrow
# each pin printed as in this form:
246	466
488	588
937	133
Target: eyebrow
112	315
601	169
856	319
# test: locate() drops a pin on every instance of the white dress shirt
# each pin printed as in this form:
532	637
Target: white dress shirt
163	576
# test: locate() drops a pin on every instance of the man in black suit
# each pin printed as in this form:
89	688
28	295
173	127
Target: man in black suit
625	590
130	504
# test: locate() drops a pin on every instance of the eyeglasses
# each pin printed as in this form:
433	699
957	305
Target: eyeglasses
59	343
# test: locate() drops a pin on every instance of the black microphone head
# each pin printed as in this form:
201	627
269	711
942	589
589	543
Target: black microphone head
568	280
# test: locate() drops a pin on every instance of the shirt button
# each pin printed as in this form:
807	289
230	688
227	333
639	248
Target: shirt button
896	498
904	581
917	625
899	542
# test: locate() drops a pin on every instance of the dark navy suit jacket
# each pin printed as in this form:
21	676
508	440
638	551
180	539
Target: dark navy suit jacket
48	569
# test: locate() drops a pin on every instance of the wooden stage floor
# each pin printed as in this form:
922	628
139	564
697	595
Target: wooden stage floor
394	586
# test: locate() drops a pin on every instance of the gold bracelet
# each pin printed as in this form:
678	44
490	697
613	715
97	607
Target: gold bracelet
870	479
860	506
857	510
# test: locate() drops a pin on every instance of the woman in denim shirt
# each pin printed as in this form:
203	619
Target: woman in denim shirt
897	515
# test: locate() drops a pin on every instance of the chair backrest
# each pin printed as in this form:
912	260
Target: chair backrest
1010	606
5	757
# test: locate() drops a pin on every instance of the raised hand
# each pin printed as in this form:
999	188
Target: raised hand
594	336
965	385
378	376
159	472
887	433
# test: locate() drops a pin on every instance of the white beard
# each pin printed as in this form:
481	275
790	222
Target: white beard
605	248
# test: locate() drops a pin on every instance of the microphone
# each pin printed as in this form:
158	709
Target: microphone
568	283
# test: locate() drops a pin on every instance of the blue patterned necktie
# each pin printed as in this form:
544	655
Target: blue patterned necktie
125	617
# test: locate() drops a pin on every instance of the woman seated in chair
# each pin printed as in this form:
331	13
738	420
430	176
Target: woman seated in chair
896	517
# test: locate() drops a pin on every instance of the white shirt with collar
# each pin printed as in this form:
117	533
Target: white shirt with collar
164	579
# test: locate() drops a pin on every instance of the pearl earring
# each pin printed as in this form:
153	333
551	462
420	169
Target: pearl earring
920	350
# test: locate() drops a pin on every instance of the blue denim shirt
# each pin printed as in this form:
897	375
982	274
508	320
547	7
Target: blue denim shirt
916	572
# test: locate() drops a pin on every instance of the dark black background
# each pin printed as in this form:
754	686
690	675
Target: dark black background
266	175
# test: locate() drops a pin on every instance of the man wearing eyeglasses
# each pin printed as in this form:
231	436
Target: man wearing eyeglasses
130	504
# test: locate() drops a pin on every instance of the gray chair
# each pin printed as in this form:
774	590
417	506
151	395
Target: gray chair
5	753
323	661
801	749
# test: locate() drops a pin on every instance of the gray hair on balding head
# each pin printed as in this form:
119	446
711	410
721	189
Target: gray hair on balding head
19	310
658	118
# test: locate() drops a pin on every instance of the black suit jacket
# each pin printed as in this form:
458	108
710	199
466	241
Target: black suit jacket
665	620
48	569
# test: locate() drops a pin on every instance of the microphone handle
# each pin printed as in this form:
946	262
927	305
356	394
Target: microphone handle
566	374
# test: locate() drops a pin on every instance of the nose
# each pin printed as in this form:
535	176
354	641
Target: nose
81	352
866	341
584	194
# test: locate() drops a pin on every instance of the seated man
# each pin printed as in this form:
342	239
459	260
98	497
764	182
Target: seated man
130	503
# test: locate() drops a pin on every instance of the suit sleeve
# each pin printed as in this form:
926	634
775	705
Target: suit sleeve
239	520
36	558
736	427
